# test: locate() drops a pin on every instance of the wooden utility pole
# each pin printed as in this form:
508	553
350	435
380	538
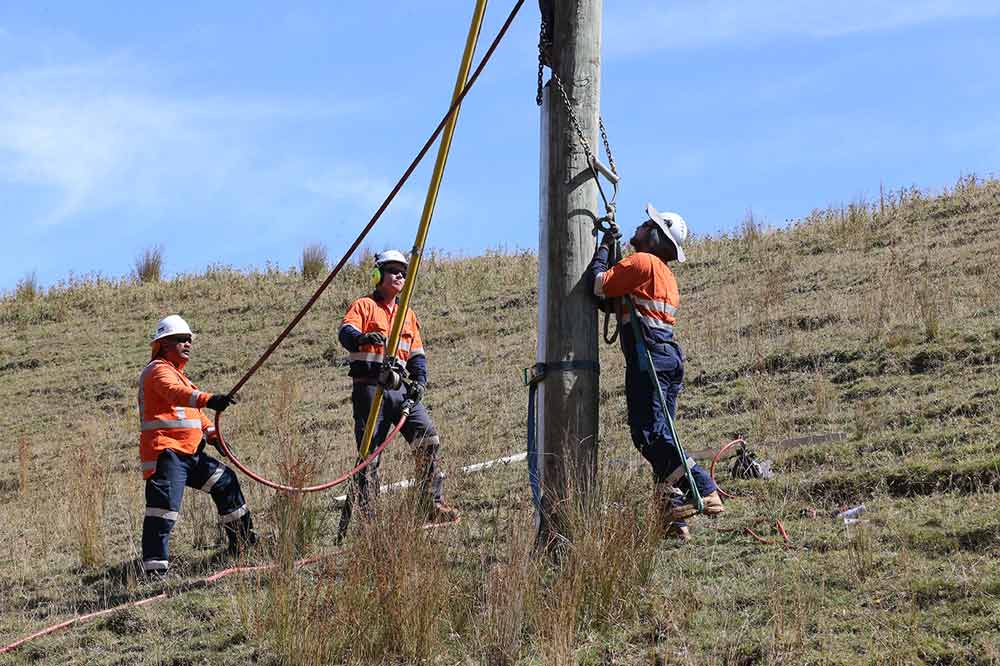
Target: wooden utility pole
567	319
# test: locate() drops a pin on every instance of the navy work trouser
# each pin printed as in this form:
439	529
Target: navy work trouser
164	491
647	422
418	431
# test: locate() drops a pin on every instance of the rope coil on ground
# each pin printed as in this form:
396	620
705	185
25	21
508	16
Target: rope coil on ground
785	539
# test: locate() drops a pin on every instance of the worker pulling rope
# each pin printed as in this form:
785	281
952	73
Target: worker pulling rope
445	121
389	377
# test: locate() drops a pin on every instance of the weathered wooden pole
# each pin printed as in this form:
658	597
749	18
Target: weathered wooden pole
567	320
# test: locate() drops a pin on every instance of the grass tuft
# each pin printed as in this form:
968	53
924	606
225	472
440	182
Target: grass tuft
27	288
23	466
88	497
314	261
149	265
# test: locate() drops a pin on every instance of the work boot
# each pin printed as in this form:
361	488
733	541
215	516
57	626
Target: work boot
242	536
441	513
713	507
678	531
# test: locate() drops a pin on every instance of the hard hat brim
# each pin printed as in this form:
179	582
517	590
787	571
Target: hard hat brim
661	221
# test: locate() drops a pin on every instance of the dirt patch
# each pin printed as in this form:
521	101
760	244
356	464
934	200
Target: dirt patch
908	483
26	364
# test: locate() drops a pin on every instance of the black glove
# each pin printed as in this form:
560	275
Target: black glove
609	238
219	401
415	391
373	338
389	379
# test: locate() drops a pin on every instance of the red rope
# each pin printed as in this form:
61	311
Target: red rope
715	459
306	489
786	541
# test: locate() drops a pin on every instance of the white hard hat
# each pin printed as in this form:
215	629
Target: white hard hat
390	257
672	225
171	325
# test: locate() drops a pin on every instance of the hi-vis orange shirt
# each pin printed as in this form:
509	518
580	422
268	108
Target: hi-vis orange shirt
367	315
170	415
652	286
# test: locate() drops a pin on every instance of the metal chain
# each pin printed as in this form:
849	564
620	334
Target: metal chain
543	43
607	146
573	119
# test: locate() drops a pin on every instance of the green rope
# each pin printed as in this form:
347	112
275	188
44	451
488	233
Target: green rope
643	352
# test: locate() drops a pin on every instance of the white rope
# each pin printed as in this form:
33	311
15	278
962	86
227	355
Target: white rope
468	469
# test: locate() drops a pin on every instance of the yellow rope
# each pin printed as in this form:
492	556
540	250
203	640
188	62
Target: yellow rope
425	219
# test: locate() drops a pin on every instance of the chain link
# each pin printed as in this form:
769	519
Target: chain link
573	119
543	44
607	146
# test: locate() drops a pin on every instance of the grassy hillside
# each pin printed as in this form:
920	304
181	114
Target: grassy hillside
881	320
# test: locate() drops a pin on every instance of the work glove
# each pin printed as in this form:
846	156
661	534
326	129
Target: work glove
609	238
219	401
415	391
373	338
389	379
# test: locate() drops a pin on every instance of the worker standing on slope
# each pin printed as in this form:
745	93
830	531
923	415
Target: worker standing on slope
173	434
364	332
645	277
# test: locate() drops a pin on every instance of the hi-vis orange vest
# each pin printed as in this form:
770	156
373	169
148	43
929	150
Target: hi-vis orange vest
652	286
367	315
170	415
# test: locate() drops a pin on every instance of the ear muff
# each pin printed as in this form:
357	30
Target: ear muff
376	276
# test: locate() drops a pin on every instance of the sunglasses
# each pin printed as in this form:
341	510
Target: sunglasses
394	271
179	339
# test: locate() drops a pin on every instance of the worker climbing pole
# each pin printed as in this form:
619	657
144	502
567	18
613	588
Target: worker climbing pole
566	373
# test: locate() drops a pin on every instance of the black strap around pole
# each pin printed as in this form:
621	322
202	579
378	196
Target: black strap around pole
533	376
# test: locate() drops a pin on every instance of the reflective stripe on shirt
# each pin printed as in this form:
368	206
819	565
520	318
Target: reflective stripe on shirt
159	424
652	322
658	306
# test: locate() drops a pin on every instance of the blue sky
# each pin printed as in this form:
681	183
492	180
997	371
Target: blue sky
236	133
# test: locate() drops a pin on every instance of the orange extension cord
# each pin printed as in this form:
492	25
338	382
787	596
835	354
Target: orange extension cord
204	582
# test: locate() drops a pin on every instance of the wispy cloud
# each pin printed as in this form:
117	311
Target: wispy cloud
342	185
694	24
101	135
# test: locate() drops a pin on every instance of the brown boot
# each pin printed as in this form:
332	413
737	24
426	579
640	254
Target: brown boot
712	503
441	514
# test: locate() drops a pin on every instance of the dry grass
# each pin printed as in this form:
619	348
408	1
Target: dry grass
27	288
879	319
87	473
149	265
23	467
508	594
314	261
